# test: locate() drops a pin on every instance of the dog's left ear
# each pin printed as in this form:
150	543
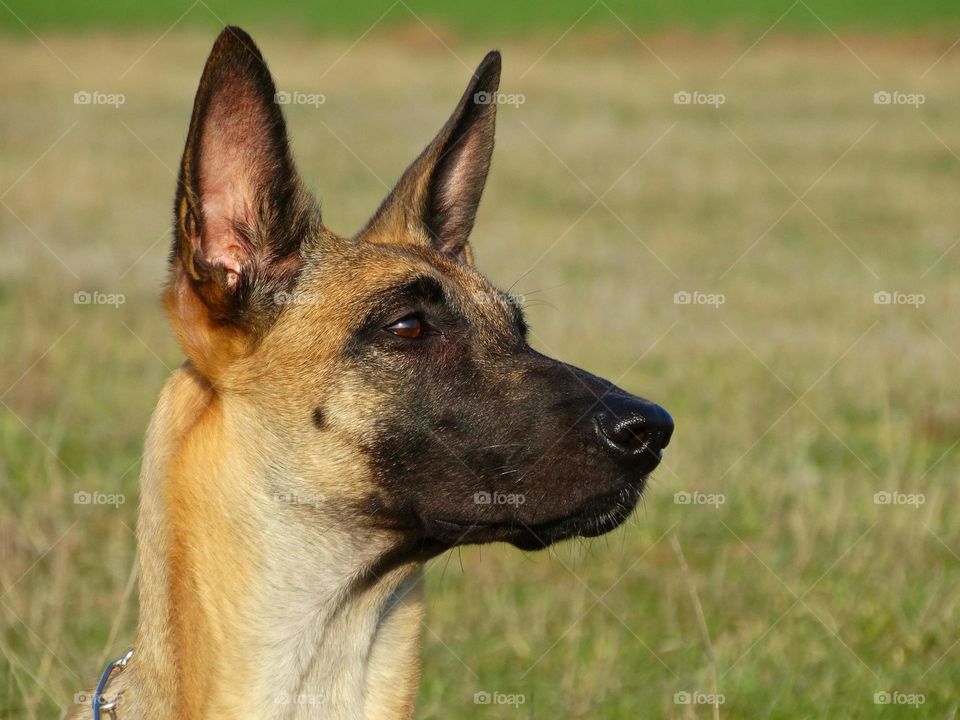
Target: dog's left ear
435	202
241	210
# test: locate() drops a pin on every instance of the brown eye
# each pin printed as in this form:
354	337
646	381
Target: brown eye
410	327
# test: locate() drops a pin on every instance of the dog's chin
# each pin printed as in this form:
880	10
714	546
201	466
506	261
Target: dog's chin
597	516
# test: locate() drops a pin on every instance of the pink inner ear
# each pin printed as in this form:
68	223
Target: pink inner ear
222	246
459	190
226	187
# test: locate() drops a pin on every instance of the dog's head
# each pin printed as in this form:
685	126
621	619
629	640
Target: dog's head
382	375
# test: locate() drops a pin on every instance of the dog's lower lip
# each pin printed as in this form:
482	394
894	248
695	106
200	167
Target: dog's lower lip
596	516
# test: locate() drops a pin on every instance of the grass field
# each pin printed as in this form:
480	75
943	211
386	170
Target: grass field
762	565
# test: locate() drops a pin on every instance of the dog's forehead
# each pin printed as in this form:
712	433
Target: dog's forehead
350	273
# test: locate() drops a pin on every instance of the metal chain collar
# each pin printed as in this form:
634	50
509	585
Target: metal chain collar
103	704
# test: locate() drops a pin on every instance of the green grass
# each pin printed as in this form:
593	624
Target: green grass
497	18
813	597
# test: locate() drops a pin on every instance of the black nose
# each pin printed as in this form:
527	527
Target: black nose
633	427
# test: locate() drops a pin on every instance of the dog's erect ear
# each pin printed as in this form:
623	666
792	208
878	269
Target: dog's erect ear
435	202
241	212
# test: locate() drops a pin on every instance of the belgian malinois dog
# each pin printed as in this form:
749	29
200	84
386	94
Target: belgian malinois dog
347	410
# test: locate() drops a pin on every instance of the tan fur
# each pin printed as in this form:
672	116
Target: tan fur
210	348
227	592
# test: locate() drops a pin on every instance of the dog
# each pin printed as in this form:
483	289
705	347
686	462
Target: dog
349	408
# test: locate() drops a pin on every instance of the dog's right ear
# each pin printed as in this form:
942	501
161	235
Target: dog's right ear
241	211
435	202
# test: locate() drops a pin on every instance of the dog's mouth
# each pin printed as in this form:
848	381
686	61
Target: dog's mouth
596	516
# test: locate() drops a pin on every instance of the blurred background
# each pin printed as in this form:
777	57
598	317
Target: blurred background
746	211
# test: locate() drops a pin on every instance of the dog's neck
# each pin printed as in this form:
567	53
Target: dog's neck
248	609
